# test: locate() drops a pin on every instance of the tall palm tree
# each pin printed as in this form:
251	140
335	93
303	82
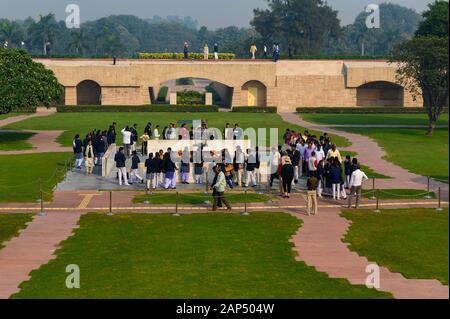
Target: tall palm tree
45	31
10	31
78	42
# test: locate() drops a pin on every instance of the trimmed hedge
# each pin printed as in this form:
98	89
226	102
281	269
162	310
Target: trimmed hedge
364	110
254	109
180	56
137	108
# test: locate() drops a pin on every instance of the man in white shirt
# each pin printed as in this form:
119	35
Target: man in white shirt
357	180
126	137
156	134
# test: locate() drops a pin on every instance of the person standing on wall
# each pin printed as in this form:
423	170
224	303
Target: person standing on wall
253	50
206	52
216	51
120	160
265	52
186	50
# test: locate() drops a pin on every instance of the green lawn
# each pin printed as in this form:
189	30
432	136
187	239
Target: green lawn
20	174
82	123
12	141
11	224
193	256
367	170
414	242
412	149
198	198
374	119
399	194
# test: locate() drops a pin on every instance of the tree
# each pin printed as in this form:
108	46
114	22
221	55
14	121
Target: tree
78	42
436	20
12	32
423	62
300	24
25	84
44	31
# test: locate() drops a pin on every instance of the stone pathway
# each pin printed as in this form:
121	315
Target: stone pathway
42	141
35	246
40	111
319	244
372	155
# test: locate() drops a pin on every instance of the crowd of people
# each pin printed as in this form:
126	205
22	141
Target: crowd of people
303	155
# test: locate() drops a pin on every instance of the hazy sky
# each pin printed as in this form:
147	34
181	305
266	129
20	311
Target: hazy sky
212	13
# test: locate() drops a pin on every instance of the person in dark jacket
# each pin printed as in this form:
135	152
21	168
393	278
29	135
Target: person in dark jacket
169	169
120	160
151	170
295	158
335	179
111	135
77	145
347	170
287	176
135	161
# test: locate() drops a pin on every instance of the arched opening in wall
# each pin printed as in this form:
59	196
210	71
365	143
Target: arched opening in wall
89	93
380	93
192	91
254	93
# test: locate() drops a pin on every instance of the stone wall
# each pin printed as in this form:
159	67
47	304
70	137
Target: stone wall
289	84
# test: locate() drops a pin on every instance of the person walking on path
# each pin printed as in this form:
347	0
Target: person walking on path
356	182
219	189
186	50
253	50
126	137
334	152
120	160
89	158
206	52
216	51
135	161
78	151
312	184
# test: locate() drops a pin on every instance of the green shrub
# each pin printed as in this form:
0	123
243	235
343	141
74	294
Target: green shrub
364	110
255	109
180	56
190	98
137	108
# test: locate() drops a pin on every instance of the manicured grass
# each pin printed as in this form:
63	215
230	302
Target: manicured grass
82	123
374	119
399	194
12	141
198	198
367	170
11	224
412	149
20	174
414	242
192	256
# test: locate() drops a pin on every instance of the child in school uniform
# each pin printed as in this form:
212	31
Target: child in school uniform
198	172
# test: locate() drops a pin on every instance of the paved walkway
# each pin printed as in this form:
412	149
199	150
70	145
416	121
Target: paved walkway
372	155
318	241
319	244
40	111
42	141
35	246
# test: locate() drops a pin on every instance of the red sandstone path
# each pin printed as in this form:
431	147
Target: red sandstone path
35	246
42	141
372	155
319	244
